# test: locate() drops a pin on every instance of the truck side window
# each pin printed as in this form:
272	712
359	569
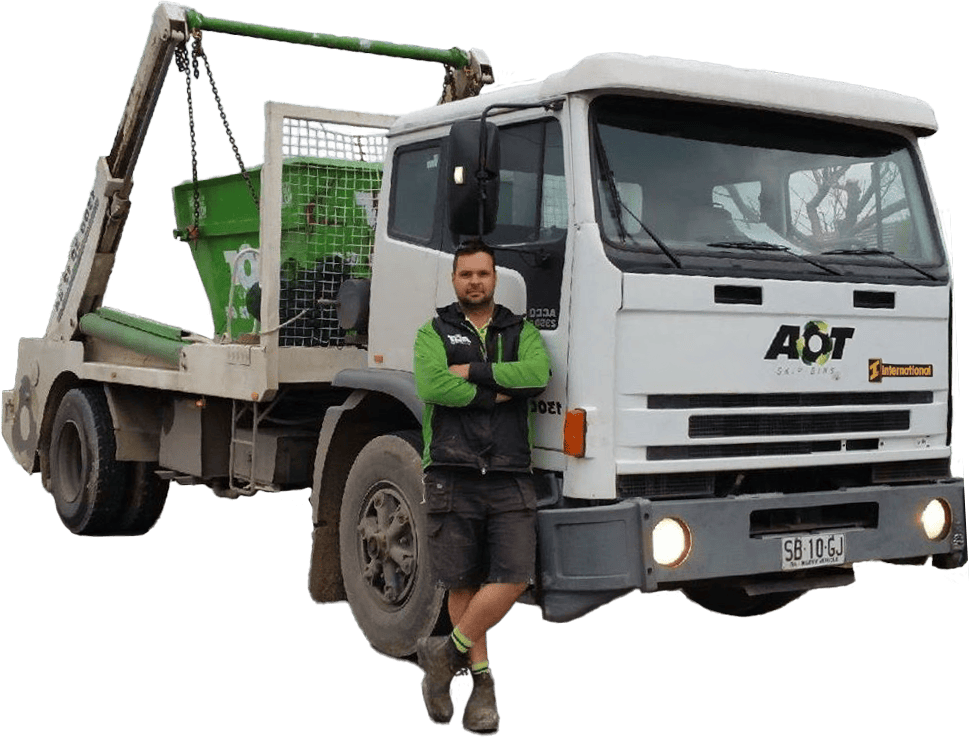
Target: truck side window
414	193
532	205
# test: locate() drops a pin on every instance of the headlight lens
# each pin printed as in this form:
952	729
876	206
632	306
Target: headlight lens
936	519
671	542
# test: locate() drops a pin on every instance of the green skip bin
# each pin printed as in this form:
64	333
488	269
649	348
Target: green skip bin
329	212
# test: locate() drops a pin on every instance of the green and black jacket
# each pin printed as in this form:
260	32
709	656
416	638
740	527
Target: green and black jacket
463	424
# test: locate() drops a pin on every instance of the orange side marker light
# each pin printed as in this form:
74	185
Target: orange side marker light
574	433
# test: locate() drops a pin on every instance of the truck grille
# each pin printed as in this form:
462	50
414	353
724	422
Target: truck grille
860	515
790	423
791	480
732	426
742	450
820	399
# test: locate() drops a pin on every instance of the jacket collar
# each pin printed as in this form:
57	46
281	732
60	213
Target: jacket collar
501	318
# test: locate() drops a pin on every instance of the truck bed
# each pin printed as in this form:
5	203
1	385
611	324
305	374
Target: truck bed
229	370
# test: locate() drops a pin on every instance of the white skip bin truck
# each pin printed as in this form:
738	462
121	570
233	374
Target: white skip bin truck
739	276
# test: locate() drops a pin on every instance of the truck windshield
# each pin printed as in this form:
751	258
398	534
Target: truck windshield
702	189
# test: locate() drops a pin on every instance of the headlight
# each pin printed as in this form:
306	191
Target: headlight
936	519
671	542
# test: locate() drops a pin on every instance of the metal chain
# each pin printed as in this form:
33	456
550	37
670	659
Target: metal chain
182	59
182	62
191	68
197	52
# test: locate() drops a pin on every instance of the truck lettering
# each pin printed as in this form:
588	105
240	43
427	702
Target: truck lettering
74	256
879	370
543	407
814	344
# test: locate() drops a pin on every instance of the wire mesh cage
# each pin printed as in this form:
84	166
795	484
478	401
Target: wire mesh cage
331	182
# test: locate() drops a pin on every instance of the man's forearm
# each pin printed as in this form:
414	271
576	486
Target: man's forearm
527	376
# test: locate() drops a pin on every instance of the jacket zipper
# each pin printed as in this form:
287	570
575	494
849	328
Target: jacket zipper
483	351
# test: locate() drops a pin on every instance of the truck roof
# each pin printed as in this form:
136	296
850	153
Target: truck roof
700	81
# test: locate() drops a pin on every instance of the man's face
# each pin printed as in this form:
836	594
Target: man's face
474	280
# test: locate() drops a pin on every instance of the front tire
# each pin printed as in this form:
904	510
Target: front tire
736	602
384	553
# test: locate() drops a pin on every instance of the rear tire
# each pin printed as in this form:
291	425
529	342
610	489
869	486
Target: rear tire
146	494
384	553
86	480
94	493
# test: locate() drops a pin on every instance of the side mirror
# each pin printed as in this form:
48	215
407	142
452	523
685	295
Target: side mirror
473	177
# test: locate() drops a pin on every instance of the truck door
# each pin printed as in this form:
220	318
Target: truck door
412	270
530	246
408	260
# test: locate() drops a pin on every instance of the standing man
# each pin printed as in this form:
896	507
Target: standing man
475	365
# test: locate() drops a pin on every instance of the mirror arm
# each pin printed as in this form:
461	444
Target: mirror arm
482	175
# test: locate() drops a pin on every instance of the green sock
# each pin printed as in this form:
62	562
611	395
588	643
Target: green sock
479	668
461	642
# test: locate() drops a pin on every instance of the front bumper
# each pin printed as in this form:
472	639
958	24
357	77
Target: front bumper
591	555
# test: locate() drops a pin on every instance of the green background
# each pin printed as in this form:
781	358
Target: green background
204	625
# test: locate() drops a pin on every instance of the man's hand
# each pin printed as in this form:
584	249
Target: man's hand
460	369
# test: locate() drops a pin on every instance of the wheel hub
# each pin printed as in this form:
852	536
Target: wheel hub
387	544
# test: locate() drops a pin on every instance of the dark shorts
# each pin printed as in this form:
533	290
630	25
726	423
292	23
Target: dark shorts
481	528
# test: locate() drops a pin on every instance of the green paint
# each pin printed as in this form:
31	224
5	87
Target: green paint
135	333
454	57
159	329
321	218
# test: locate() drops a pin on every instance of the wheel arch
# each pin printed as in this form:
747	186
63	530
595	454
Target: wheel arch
392	383
134	416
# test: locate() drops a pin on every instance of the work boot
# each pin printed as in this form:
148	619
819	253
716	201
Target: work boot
481	714
441	661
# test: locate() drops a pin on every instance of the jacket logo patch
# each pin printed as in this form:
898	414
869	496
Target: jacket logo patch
459	340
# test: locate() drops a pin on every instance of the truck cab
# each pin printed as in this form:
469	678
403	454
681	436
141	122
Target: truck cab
741	282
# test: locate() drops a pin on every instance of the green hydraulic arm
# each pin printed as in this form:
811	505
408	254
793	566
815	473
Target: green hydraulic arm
455	57
92	252
467	71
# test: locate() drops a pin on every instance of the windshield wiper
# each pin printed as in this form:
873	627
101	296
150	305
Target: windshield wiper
879	252
765	246
617	204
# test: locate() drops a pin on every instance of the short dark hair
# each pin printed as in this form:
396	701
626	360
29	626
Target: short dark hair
471	247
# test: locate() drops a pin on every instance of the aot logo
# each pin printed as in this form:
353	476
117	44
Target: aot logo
815	344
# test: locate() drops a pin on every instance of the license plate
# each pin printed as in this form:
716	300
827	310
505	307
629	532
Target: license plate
811	551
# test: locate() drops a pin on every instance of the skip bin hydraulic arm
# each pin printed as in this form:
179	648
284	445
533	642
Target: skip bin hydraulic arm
92	252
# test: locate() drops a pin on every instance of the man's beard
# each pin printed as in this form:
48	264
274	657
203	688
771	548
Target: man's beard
476	303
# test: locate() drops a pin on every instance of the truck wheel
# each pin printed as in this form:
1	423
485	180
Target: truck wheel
735	601
383	546
144	500
86	480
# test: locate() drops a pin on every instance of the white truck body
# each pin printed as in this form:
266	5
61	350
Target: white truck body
684	385
775	391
